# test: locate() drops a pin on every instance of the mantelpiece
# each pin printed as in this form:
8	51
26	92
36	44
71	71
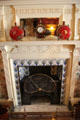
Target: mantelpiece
49	50
9	2
41	50
65	12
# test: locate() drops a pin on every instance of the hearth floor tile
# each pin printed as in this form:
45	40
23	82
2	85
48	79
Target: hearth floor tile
41	108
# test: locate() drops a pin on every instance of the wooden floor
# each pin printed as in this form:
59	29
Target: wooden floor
63	118
53	119
41	116
41	112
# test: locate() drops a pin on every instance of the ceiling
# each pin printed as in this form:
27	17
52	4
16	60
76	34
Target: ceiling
32	2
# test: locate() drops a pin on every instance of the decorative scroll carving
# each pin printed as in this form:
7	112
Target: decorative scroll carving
10	49
77	52
2	49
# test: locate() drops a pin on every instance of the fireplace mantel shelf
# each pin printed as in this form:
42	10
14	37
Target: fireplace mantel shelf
41	2
33	43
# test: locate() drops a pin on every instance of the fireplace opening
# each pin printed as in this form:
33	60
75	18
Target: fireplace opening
40	84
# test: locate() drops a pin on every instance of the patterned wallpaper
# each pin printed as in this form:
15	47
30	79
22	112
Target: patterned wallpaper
3	90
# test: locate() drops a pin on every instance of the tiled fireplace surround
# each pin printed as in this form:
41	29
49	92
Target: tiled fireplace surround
39	53
38	62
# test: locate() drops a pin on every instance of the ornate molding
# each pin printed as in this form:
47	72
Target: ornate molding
68	11
30	2
14	15
1	11
35	48
38	11
37	52
2	49
77	52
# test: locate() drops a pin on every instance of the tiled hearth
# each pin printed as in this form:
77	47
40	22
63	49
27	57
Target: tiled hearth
40	108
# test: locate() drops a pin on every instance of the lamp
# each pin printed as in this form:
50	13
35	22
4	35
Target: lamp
51	28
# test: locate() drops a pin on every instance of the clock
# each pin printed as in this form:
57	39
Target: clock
40	29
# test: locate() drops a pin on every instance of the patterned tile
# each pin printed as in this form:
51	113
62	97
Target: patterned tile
24	71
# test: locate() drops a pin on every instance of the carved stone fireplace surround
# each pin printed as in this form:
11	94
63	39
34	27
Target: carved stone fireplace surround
59	52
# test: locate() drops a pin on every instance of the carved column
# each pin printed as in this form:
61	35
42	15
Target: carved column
7	73
77	23
74	86
2	24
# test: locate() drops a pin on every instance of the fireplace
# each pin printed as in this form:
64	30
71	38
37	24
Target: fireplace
38	80
49	60
40	69
39	83
42	59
